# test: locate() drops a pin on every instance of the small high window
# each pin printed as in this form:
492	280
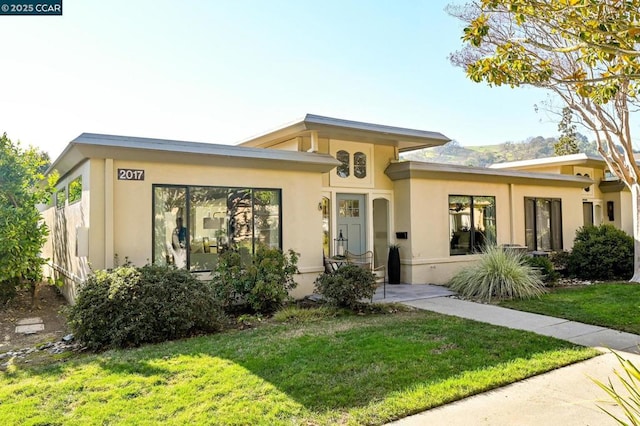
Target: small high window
360	165
343	169
75	190
61	198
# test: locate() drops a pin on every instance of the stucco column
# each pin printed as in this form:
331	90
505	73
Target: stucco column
512	215
108	213
314	141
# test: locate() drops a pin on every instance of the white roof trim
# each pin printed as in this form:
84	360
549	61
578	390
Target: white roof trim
123	146
562	159
417	169
335	128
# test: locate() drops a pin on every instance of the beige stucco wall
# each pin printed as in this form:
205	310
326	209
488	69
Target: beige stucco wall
67	260
571	210
422	209
626	211
118	213
593	194
301	219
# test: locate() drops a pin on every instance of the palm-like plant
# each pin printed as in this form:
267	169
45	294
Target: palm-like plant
629	399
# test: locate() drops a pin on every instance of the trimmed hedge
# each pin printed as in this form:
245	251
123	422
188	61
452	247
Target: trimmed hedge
129	306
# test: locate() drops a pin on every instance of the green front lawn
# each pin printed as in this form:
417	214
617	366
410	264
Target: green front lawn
355	369
612	305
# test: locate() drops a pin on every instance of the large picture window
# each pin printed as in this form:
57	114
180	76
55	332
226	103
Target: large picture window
193	224
543	224
472	223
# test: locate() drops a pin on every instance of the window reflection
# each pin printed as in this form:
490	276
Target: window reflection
472	223
326	225
349	208
169	205
218	218
543	223
343	169
360	165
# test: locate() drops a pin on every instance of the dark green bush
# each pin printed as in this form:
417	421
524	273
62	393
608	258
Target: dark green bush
347	286
8	289
263	284
560	261
601	253
548	273
129	306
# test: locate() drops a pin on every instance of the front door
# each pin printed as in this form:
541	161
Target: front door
351	210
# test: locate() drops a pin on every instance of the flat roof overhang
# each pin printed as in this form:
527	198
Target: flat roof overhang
334	128
421	170
579	159
91	145
612	186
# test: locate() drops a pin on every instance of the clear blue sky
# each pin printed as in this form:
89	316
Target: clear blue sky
221	71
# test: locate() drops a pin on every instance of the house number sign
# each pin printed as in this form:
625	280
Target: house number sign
130	174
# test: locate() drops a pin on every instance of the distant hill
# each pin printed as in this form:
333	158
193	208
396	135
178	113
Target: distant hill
483	156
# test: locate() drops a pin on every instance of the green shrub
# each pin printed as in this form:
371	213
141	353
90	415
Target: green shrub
601	253
347	286
548	274
263	283
499	274
129	306
8	289
560	261
229	274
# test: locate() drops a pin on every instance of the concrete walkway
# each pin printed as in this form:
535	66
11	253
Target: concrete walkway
565	396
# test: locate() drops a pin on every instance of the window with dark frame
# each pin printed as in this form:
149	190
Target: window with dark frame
193	224
543	224
472	223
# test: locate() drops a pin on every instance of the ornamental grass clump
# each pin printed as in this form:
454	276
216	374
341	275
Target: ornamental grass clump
499	274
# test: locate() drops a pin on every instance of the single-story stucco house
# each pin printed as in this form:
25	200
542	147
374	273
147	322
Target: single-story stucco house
305	186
